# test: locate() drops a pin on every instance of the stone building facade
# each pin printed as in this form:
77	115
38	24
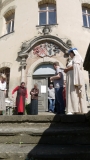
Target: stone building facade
34	34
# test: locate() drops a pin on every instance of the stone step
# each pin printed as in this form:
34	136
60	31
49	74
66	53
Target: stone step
44	152
43	118
45	135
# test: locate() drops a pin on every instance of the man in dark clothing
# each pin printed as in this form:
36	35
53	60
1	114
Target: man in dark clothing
58	80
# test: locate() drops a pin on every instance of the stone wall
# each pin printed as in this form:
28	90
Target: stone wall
69	26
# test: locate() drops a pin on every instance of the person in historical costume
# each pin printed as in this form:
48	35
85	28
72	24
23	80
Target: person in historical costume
34	99
20	99
75	87
2	93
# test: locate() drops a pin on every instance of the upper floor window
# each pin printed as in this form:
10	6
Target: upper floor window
47	14
9	20
86	17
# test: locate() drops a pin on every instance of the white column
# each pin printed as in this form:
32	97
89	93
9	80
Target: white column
23	74
23	69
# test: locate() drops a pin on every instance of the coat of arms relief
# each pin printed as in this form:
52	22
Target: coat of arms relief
46	49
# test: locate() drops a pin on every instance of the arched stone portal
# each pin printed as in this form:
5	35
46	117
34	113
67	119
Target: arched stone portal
40	53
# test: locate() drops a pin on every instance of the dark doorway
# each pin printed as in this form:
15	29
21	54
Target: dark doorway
49	82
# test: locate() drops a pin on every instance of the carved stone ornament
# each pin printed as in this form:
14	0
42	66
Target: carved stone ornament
46	30
25	45
6	64
46	49
69	43
23	62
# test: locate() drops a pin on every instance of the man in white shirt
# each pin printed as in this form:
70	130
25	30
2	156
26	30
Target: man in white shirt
51	98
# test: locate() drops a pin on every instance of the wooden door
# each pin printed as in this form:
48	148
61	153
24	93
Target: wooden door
43	97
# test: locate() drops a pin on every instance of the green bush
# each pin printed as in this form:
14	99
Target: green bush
27	109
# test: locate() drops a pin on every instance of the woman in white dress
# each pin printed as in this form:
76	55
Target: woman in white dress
75	87
2	93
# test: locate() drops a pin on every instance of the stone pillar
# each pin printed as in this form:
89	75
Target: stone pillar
23	74
23	68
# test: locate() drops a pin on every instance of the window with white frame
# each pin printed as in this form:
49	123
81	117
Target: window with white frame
9	20
86	17
47	14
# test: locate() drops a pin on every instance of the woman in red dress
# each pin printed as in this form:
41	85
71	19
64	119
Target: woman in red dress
20	99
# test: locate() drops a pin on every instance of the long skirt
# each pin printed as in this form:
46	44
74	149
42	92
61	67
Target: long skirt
20	103
34	107
2	101
74	102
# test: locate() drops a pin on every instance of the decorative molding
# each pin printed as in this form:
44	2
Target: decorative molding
85	1
23	62
40	2
6	64
6	2
9	11
69	43
46	49
46	30
27	46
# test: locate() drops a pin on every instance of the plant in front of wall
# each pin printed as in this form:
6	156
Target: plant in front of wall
27	108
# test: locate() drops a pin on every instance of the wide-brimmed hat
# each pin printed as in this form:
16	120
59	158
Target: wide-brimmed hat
72	49
3	76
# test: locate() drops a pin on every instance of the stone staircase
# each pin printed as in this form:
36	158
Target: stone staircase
45	137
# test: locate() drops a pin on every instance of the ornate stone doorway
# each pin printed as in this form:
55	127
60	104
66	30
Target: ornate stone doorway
42	50
41	77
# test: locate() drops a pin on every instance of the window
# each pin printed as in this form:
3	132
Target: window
6	71
9	21
86	17
47	14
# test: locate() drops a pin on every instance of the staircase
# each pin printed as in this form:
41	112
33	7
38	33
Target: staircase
45	137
